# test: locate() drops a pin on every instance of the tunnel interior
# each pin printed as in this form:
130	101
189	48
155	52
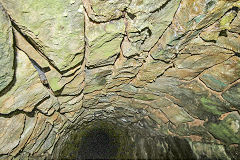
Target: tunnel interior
95	140
98	144
107	140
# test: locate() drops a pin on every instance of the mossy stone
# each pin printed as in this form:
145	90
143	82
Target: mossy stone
226	130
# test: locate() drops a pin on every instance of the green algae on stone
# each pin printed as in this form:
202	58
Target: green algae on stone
227	19
160	54
191	96
104	42
98	34
54	83
105	54
190	14
235	26
89	89
6	50
55	27
211	106
214	14
226	130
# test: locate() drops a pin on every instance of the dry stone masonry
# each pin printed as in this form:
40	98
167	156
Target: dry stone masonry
150	79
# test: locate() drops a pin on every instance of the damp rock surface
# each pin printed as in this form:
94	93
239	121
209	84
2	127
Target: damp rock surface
120	79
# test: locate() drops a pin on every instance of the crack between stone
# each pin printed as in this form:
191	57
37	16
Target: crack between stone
199	30
135	76
169	121
79	74
216	45
99	22
72	95
162	73
231	84
38	68
210	90
16	112
192	116
12	83
24	123
39	134
161	7
34	45
85	55
166	27
126	26
37	47
41	73
40	145
201	72
73	67
72	74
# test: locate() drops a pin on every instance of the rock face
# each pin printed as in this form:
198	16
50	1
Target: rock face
6	50
160	79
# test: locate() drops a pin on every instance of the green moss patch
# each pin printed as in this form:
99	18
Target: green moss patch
227	129
211	106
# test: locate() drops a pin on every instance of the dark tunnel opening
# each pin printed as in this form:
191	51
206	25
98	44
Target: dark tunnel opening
95	140
106	140
98	144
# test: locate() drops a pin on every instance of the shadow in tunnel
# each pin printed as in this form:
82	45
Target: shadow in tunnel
97	144
106	140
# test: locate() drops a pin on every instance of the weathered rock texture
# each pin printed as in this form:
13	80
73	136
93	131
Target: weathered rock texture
165	71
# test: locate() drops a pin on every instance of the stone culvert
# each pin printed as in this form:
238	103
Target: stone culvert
125	79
